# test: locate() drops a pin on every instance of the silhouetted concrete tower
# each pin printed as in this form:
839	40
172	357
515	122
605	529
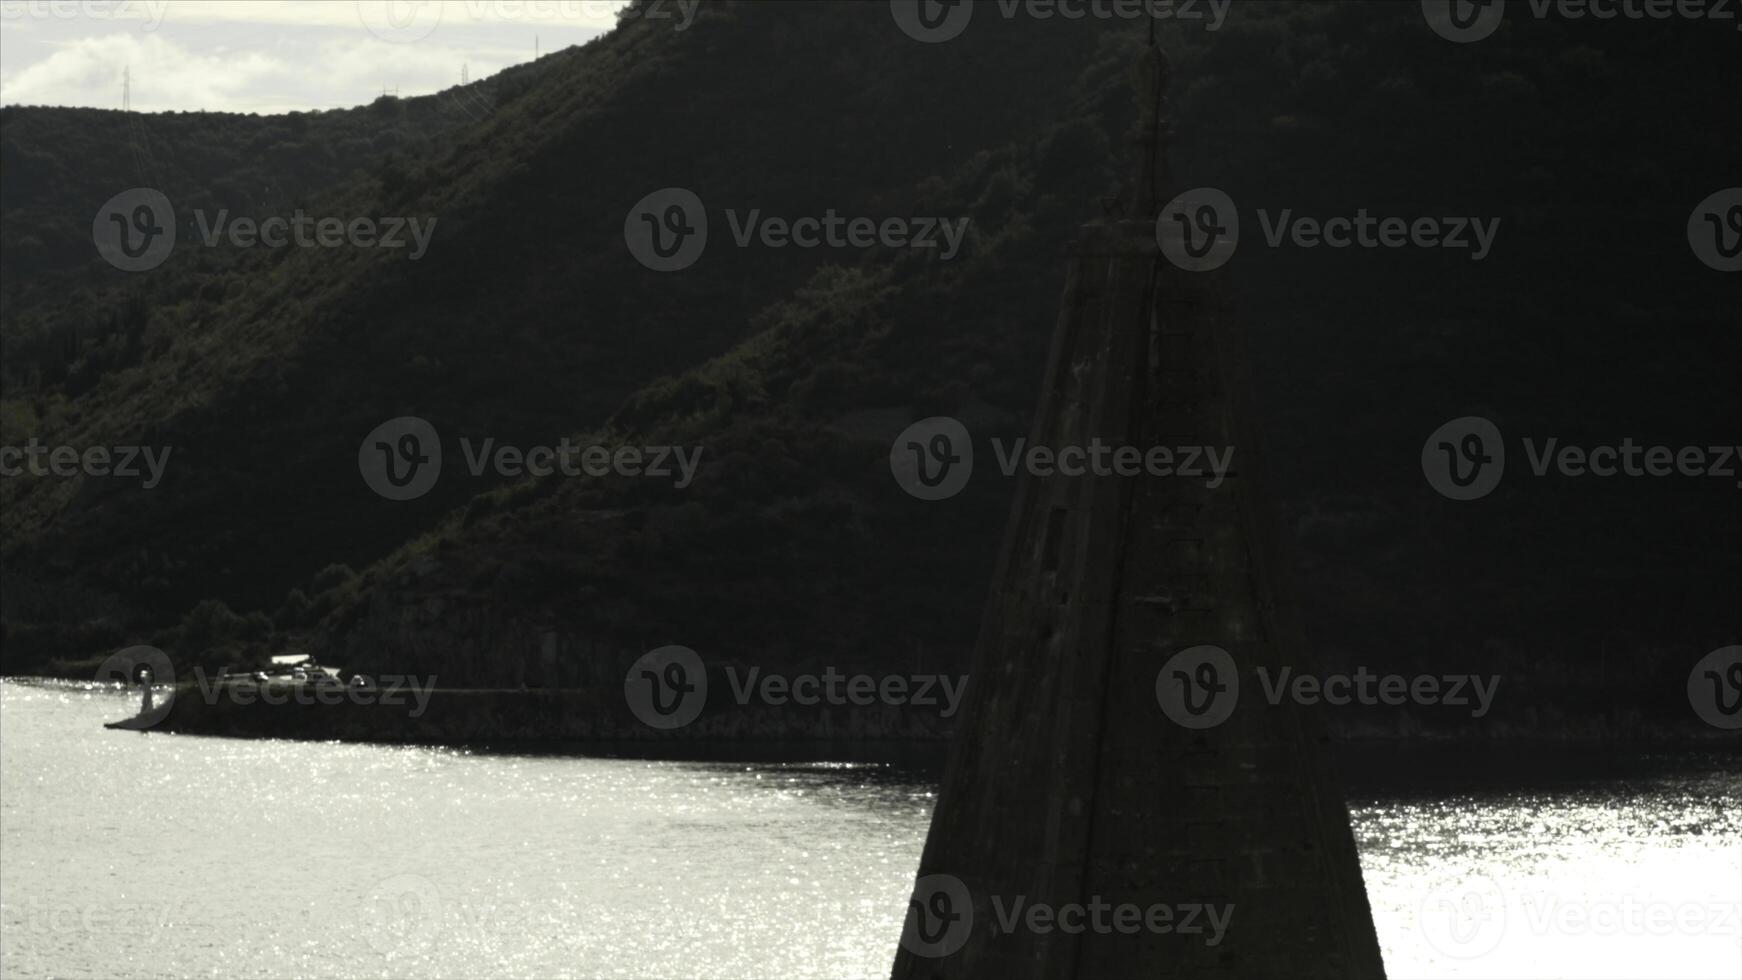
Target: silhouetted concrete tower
1070	788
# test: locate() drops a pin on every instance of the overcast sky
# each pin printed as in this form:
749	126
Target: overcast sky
262	56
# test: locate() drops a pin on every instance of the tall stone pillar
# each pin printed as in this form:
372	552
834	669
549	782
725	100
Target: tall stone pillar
1122	800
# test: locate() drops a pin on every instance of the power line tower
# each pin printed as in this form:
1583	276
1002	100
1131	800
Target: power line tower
127	89
465	76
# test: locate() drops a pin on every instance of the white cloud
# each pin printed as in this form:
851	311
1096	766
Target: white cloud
263	56
87	71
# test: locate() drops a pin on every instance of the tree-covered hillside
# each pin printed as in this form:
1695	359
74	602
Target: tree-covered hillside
1590	322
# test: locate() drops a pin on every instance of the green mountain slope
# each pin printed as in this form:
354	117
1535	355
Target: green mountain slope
529	322
527	319
796	548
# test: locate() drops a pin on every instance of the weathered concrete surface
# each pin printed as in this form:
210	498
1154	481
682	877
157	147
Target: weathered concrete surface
1068	784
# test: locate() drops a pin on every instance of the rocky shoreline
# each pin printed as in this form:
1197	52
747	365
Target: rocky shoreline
529	719
579	716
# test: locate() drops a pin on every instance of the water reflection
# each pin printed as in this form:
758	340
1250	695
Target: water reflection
155	855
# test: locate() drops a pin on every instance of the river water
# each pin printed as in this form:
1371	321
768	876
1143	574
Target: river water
130	855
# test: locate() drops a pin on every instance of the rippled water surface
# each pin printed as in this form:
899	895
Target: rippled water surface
1633	877
156	855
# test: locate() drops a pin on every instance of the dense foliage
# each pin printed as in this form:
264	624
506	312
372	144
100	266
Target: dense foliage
528	321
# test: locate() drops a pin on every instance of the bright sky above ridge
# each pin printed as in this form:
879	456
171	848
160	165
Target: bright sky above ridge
270	57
